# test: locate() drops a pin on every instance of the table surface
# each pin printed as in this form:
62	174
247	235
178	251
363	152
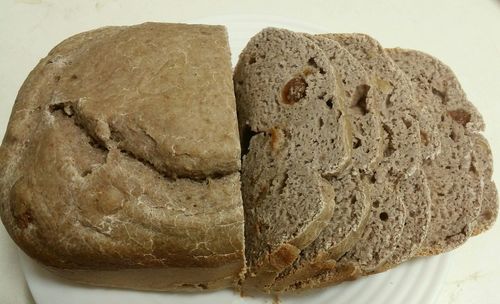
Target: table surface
464	34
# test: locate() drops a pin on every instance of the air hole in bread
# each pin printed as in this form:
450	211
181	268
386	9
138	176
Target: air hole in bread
407	123
294	90
356	143
473	169
282	184
376	204
384	216
353	200
359	98
246	136
66	108
313	63
86	172
388	102
57	78
252	60
373	178
453	136
440	94
321	122
74	77
329	103
460	116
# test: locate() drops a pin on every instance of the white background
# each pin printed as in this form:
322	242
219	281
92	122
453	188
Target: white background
465	34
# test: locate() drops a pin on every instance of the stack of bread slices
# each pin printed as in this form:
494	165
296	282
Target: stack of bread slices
357	158
135	157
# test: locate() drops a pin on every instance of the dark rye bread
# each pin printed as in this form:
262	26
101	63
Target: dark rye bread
287	91
489	205
456	184
352	196
112	175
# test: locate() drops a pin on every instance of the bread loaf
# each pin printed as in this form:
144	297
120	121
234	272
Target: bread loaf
121	160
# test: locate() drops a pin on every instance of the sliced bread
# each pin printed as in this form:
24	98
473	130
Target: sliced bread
353	201
288	99
456	185
395	178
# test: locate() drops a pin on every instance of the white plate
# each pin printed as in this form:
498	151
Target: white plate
414	282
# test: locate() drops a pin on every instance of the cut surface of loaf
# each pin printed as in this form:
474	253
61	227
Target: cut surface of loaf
287	92
352	197
456	185
113	169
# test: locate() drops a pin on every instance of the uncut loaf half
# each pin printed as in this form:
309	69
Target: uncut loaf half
120	165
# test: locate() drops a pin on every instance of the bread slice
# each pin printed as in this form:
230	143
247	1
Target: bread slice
294	90
456	185
109	172
417	222
353	201
489	205
278	190
287	93
394	179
